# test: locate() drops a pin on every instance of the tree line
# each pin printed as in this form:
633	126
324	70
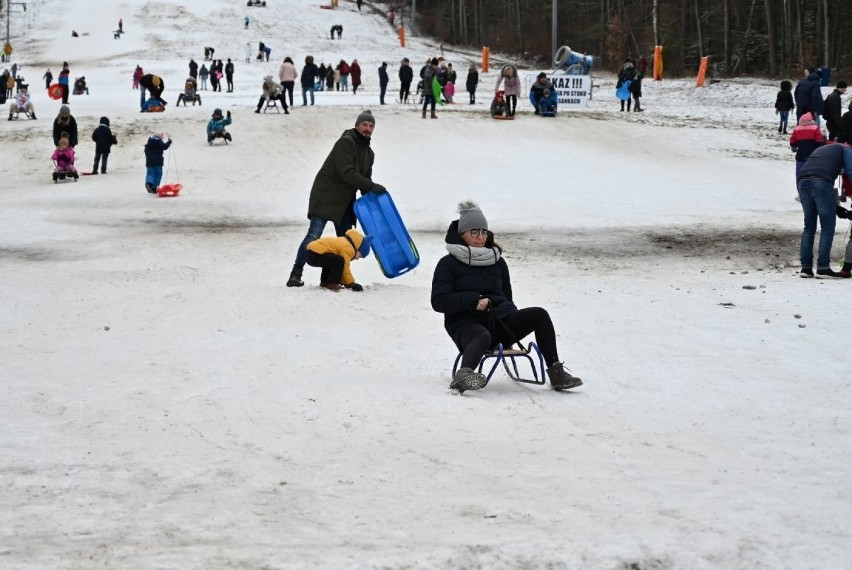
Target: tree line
774	38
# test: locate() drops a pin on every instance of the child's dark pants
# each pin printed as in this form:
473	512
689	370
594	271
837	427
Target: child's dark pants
331	264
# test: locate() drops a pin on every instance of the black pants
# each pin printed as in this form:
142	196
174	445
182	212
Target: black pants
472	97
331	264
100	158
288	89
511	104
230	80
475	340
281	98
64	93
404	89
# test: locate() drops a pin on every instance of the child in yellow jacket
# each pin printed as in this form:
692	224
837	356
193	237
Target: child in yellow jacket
333	255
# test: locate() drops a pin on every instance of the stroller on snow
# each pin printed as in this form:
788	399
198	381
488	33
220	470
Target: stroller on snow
63	162
216	127
190	93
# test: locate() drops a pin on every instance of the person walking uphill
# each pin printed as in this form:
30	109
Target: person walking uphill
472	288
347	169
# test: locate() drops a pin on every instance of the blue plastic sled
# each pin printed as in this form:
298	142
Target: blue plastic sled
392	245
623	92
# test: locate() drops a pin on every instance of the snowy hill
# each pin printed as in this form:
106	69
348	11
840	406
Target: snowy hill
169	403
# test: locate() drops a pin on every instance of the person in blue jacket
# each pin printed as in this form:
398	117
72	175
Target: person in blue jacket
154	149
216	126
539	86
472	288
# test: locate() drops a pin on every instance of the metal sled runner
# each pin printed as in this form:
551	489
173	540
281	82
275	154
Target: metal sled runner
499	354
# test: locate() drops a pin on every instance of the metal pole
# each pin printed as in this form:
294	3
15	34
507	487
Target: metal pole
553	33
413	16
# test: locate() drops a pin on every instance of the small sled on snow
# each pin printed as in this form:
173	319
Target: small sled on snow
394	248
169	190
500	354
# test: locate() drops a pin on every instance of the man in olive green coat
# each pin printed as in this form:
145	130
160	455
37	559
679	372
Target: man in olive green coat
347	169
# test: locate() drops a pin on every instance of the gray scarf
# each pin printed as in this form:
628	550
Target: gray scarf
474	256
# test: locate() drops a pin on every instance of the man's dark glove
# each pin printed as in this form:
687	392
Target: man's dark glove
378	189
843	213
355	287
228	114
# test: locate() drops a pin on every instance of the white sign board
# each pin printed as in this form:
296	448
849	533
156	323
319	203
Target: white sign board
572	90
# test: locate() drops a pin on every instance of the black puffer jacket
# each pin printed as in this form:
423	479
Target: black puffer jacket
103	137
457	287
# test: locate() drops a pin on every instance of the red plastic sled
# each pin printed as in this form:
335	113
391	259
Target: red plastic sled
169	190
55	92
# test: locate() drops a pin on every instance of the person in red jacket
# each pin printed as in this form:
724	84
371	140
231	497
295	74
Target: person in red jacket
355	72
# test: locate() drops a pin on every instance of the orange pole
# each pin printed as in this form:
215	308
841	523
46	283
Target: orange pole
702	71
658	63
402	36
485	54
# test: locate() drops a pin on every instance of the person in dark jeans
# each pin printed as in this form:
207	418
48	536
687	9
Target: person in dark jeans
347	169
815	182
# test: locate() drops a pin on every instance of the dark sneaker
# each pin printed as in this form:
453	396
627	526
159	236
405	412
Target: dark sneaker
466	379
332	286
806	272
828	273
295	279
150	188
561	379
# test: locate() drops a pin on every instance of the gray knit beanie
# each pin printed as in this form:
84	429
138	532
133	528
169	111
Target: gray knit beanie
470	217
64	111
365	116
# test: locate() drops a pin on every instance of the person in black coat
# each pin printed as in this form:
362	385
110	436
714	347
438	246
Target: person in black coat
845	134
808	95
784	104
383	82
471	83
193	69
104	139
229	75
406	76
833	110
472	288
65	123
155	86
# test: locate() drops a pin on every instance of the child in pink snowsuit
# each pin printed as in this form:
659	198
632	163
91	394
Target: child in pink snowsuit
63	158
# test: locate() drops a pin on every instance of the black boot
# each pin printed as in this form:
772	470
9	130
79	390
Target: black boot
561	379
295	279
